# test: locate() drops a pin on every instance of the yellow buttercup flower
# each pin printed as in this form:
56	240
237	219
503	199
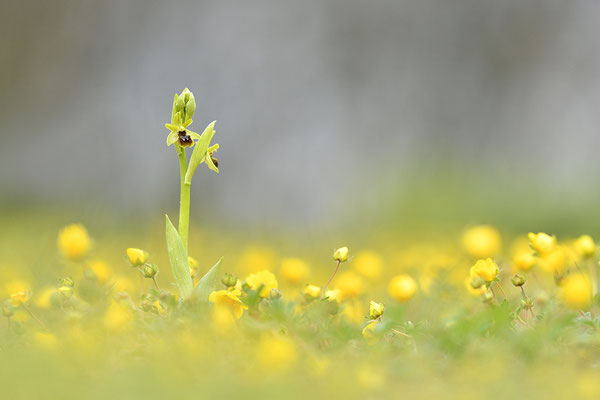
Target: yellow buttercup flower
368	264
294	270
485	269
276	353
256	259
524	260
402	287
43	297
19	298
482	241
74	242
375	310
576	291
117	318
101	270
542	242
262	278
45	340
137	257
193	266
341	254
554	262
312	291
349	284
229	299
585	246
334	295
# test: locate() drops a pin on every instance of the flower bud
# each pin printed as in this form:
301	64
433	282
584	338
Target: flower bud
8	310
487	296
68	281
228	280
312	292
190	107
149	270
341	254
477	282
518	280
375	310
137	257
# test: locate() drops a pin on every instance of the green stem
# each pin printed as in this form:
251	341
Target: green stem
184	199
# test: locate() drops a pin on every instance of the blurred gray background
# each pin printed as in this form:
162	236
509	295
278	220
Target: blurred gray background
319	104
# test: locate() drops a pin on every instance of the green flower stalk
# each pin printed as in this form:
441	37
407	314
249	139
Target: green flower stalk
181	137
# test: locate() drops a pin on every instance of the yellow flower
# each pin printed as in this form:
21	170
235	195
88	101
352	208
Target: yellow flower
524	260
542	242
370	377
485	269
19	298
334	295
137	257
101	270
349	284
368	264
256	259
341	254
74	242
375	310
276	353
117	318
402	287
294	270
482	241
43	297
312	291
368	331
585	246
45	340
576	291
554	262
229	299
193	265
262	278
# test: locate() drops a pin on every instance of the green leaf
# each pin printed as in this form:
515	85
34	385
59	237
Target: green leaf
179	261
208	283
200	151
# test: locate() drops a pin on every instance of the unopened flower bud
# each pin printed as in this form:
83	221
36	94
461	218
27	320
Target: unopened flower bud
190	107
312	292
137	257
487	297
477	282
375	310
275	294
228	280
518	280
341	254
68	281
149	270
8	310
